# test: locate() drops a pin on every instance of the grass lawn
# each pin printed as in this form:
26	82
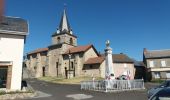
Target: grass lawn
75	80
157	81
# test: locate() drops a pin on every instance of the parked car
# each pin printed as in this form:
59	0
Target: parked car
163	94
122	77
158	88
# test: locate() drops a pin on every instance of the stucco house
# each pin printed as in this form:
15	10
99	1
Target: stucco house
122	65
157	63
13	31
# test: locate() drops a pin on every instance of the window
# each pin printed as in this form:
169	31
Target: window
58	40
151	63
163	63
157	74
71	41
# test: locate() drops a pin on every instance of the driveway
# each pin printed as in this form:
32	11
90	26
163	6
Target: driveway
51	91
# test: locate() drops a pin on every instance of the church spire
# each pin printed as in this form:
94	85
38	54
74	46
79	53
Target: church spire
64	26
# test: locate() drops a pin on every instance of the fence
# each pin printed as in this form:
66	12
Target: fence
113	85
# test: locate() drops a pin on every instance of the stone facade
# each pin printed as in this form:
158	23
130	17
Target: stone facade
36	63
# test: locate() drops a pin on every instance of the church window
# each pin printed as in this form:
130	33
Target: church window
71	41
58	40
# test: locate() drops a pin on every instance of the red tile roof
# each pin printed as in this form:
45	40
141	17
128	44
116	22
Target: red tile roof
95	60
38	51
78	49
117	58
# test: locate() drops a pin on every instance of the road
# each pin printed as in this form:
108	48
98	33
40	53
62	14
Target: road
52	91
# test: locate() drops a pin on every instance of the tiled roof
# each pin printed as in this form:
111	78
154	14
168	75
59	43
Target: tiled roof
156	53
121	58
38	51
78	49
14	24
95	60
117	58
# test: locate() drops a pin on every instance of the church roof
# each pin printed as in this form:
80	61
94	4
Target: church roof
64	24
79	49
38	51
13	25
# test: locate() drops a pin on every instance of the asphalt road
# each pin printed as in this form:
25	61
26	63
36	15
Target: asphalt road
51	91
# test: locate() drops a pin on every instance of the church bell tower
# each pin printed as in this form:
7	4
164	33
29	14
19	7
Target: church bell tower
64	33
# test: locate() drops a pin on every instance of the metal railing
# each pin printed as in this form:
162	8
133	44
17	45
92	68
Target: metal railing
113	85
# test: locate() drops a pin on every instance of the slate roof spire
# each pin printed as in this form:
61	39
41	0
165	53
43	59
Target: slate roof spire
64	26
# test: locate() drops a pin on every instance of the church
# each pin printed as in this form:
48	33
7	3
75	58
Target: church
65	58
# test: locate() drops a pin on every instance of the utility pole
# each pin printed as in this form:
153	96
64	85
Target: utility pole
1	9
69	70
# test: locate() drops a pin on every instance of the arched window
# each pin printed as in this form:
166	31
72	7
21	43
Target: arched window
58	40
71	41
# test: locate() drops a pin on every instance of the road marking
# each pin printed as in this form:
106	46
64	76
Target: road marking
79	96
41	94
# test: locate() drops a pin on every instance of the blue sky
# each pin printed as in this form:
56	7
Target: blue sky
130	25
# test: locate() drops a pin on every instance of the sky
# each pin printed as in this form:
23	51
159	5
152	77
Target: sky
130	25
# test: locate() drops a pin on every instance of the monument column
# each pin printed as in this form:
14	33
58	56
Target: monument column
109	74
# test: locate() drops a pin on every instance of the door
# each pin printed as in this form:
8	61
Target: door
3	76
43	69
57	68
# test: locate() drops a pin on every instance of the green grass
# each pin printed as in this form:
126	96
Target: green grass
61	80
157	81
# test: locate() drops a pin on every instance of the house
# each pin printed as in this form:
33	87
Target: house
157	63
13	31
122	65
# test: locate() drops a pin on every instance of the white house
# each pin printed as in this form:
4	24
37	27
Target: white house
13	32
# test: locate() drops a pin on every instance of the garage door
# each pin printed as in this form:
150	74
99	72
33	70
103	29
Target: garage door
168	75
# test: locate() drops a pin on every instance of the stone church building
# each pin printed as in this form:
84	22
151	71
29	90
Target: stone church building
64	57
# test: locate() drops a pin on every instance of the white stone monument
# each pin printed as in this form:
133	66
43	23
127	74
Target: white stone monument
109	74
